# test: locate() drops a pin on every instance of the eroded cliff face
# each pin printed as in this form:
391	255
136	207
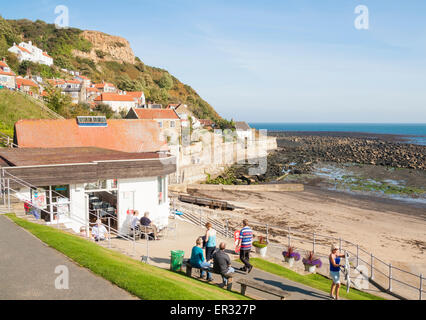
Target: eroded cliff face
107	48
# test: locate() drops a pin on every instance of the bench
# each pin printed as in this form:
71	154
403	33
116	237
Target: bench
262	287
189	268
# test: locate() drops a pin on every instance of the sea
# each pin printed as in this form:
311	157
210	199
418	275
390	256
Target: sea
416	133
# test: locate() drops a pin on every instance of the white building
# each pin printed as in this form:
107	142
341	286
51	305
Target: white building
244	132
116	166
7	76
117	102
28	52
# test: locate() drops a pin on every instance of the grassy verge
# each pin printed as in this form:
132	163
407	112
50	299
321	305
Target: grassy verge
142	280
316	281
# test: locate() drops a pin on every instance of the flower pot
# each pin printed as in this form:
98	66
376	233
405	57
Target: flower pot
261	251
289	260
310	268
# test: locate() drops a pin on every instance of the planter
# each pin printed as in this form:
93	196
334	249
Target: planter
289	260
261	251
310	268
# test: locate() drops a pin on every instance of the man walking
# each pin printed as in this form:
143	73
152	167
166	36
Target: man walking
246	238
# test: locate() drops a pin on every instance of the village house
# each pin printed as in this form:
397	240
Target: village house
117	102
167	119
85	80
29	52
27	86
244	132
7	76
207	124
139	95
105	87
76	90
100	167
185	114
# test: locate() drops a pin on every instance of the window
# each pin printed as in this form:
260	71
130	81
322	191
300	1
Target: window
172	124
160	123
161	190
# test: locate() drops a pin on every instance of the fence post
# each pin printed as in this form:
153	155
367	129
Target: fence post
109	232
371	267
313	243
421	287
8	194
357	255
390	277
289	237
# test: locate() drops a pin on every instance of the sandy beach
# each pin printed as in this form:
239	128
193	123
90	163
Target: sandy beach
393	230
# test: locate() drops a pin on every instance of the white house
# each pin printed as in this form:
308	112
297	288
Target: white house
117	102
244	132
28	52
7	76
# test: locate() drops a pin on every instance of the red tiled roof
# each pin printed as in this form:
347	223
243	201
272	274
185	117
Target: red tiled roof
121	135
25	82
23	49
6	73
206	122
156	114
90	89
3	64
102	85
135	94
46	55
114	97
73	81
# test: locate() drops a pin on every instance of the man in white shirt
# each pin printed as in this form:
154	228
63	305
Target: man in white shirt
135	220
99	232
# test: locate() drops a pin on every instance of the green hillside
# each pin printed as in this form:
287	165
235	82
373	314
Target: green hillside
158	85
15	106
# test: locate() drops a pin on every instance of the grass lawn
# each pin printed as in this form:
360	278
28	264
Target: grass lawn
15	106
144	281
312	280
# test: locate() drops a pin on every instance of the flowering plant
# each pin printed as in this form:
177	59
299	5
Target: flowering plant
312	260
290	253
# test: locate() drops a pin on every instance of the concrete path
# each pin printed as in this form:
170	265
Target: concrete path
27	271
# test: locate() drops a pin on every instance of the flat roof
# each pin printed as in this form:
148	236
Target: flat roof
21	157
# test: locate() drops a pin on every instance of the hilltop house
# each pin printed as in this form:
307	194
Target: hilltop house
99	167
117	102
7	76
29	52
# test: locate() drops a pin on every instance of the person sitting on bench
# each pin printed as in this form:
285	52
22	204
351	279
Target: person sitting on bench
222	265
197	259
99	232
146	222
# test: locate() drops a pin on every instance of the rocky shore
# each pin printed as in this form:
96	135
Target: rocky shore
299	152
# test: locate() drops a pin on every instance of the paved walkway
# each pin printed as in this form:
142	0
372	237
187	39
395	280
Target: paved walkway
27	271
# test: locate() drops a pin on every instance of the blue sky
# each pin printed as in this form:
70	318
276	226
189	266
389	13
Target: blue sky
273	61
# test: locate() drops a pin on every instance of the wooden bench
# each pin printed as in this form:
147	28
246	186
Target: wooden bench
189	268
262	287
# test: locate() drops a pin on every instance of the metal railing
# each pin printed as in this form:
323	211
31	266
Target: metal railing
387	277
7	141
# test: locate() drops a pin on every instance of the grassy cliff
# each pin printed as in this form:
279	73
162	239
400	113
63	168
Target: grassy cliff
72	49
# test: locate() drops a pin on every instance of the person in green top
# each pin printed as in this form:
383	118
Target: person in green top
197	259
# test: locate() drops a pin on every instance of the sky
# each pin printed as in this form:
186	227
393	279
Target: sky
272	61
